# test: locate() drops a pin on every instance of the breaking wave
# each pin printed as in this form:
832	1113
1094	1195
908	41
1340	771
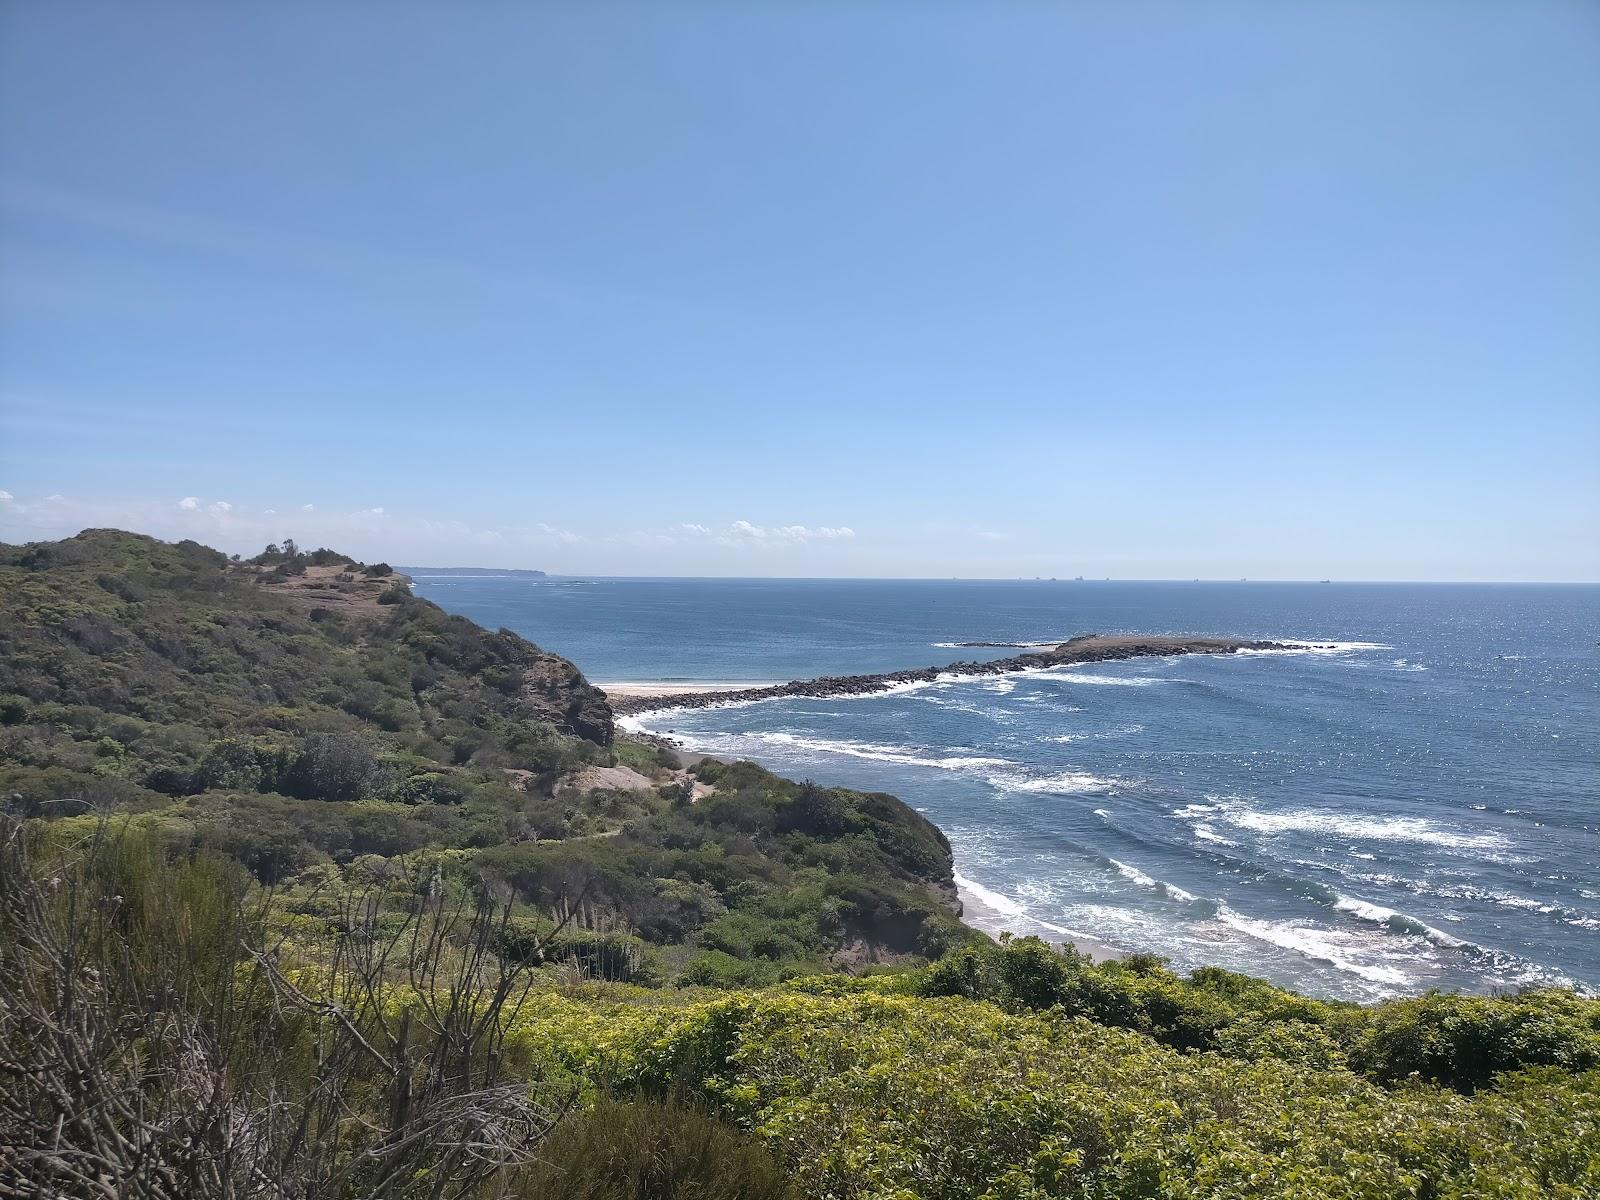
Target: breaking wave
1399	922
1359	827
1318	944
876	752
1296	646
1134	875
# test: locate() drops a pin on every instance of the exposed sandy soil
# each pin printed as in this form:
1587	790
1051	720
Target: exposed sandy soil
609	779
321	587
626	779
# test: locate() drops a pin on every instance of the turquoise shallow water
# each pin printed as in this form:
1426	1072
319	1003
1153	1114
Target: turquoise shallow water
1419	807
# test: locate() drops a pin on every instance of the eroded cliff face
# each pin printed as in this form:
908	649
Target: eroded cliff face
554	690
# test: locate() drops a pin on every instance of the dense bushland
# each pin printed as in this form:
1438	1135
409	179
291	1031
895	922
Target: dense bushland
131	670
393	1052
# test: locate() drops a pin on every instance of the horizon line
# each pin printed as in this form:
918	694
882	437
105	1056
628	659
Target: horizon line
504	572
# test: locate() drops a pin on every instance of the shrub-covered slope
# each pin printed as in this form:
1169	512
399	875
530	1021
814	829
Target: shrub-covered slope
307	715
125	660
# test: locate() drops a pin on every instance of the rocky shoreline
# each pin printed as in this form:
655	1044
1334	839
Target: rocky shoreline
1088	648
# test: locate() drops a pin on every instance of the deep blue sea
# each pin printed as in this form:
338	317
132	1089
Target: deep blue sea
1417	808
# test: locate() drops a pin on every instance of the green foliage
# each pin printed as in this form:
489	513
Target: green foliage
730	876
1465	1041
650	1150
1454	1041
866	1094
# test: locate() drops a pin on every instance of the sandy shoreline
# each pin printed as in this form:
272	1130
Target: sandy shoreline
994	914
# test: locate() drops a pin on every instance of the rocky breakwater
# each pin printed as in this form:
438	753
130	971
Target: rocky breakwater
1089	648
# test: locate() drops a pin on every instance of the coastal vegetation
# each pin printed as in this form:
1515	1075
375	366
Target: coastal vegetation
306	892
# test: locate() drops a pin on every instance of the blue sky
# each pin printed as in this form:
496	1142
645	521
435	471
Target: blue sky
1142	290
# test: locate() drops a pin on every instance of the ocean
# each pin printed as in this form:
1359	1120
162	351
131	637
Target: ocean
1416	807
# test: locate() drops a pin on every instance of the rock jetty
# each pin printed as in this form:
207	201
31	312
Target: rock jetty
1089	648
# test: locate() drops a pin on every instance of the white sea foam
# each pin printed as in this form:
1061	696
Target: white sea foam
1068	783
1362	828
1134	875
890	689
1194	810
1569	916
1066	739
1007	907
1000	903
1312	943
877	752
956	705
1319	646
1199	815
1397	921
1049	644
1070	675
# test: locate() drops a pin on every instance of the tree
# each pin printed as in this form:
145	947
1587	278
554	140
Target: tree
333	766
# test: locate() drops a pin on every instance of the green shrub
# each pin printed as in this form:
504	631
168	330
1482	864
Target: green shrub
1465	1041
651	1150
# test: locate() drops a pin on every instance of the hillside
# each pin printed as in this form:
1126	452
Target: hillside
299	710
361	900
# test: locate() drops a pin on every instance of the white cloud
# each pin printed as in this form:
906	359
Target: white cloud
220	508
189	503
56	498
6	497
269	512
751	534
564	536
695	530
307	507
449	534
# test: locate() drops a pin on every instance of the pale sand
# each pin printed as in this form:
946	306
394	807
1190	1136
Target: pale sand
651	690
